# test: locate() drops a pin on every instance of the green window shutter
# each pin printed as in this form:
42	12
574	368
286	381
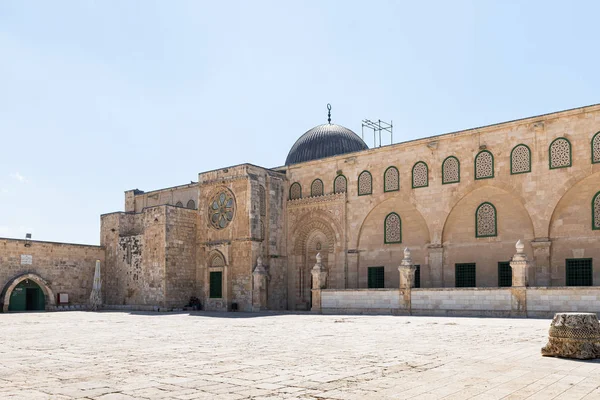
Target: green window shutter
579	272
376	278
504	274
464	275
216	285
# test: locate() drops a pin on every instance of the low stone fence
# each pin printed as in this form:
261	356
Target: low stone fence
536	302
362	301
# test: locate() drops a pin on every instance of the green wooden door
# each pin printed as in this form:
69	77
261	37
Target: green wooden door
27	296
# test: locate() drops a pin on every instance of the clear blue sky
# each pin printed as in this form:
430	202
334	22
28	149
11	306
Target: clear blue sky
97	97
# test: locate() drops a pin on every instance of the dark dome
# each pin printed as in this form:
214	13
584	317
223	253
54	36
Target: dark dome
324	141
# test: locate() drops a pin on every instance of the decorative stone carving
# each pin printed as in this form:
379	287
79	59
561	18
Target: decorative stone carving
574	335
260	279
319	281
520	266
407	271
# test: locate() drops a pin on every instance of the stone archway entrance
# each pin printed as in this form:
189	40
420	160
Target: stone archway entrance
27	292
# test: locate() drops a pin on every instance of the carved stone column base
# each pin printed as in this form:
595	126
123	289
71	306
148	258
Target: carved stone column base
574	335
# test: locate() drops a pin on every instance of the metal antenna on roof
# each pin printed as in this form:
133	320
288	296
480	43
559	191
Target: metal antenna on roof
329	113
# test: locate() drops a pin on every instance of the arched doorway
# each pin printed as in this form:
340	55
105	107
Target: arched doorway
27	292
27	296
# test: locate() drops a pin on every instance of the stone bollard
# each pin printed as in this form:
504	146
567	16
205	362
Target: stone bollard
520	266
574	335
407	271
259	290
319	281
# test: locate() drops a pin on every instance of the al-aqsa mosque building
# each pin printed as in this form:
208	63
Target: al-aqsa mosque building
246	237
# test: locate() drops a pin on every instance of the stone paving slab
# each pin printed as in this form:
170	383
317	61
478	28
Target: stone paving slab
117	355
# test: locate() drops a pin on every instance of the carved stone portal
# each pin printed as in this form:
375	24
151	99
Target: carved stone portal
574	335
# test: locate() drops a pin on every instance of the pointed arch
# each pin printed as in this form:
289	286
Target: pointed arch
191	205
596	211
41	282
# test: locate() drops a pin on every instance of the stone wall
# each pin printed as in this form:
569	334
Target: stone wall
362	301
547	208
544	301
534	302
136	200
180	256
66	268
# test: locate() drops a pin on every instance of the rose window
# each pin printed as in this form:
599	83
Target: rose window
221	210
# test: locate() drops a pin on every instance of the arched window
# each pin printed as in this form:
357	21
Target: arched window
485	220
179	204
420	175
596	212
295	191
484	165
391	180
559	153
191	205
450	170
316	188
596	148
520	159
262	200
393	228
340	185
365	183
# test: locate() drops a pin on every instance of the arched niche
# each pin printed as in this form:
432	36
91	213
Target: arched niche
50	301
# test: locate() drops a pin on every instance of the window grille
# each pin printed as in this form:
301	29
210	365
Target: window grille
420	175
295	191
376	278
486	220
393	228
596	211
316	188
365	183
484	165
391	180
464	275
520	159
560	153
596	148
504	274
340	185
451	170
579	272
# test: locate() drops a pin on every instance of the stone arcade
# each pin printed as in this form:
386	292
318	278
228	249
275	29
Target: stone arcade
247	237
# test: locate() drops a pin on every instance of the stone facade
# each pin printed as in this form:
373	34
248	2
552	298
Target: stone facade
461	199
55	267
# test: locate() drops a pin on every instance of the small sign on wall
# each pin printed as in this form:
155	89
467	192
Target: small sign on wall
63	298
26	259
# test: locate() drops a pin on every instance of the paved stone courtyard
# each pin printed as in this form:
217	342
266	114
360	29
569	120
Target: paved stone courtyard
113	355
